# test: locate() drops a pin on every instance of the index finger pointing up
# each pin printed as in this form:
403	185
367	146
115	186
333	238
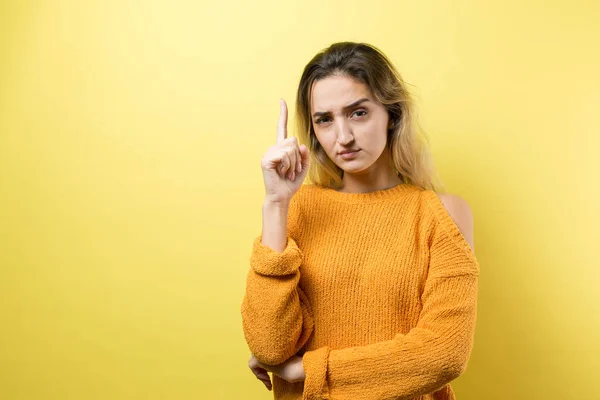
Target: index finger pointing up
282	124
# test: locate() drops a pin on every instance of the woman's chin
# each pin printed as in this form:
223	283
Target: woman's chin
353	169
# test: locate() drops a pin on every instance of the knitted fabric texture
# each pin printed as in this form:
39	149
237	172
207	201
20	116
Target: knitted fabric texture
376	291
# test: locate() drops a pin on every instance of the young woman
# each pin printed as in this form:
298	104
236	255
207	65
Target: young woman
363	283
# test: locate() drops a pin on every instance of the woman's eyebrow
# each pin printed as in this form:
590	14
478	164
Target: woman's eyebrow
354	104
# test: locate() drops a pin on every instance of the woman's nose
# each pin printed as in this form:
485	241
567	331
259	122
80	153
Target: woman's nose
344	134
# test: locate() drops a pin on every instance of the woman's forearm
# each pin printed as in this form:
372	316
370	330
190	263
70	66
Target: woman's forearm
276	314
274	229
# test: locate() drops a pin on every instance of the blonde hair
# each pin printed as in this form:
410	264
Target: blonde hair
407	142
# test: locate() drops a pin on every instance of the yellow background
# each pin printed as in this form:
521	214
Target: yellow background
130	184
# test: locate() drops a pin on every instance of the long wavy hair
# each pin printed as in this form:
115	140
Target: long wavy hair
407	142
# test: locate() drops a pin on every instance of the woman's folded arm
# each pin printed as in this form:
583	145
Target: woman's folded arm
424	360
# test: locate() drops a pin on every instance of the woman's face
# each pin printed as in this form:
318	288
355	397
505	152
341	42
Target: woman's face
346	116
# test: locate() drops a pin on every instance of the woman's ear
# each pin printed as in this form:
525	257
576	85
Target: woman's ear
392	121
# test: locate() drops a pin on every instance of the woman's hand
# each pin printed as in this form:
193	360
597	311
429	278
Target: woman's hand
290	370
284	164
260	372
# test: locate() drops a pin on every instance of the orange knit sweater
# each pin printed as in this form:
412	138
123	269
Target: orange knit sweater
377	291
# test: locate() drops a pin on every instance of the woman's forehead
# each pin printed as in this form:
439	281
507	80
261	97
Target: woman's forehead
335	92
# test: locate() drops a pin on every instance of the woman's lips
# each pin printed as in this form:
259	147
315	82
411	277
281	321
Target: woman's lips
348	156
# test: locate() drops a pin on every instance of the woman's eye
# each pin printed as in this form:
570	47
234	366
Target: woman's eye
359	113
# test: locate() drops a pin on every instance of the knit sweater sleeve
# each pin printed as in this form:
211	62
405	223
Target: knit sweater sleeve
429	356
276	315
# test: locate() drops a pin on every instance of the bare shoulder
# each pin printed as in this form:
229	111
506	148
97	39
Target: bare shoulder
460	212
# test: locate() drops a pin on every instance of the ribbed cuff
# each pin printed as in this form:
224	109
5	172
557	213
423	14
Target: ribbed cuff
266	261
315	370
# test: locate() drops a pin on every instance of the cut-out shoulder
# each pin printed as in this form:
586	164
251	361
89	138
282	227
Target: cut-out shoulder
460	212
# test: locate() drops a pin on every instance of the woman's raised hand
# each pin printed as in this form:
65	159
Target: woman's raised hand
284	164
